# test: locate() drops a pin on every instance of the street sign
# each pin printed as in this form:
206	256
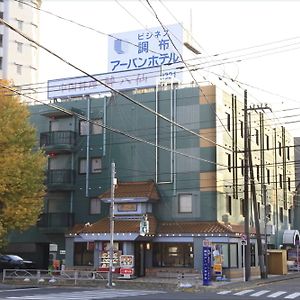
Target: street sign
243	242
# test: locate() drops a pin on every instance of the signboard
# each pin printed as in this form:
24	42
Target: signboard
206	265
127	271
144	226
217	269
136	60
126	261
158	48
127	264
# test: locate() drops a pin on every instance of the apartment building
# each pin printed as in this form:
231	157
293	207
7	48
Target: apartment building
19	57
186	182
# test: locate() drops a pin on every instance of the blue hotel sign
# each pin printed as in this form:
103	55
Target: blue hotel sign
136	59
206	263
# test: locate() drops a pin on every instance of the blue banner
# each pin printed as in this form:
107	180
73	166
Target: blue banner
206	265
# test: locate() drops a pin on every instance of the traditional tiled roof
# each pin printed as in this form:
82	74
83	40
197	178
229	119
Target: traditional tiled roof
180	227
193	227
121	226
139	189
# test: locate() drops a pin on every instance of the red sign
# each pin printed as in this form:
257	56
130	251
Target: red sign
126	271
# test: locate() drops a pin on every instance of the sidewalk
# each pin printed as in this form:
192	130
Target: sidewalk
155	283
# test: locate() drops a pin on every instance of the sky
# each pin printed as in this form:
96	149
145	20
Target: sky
268	31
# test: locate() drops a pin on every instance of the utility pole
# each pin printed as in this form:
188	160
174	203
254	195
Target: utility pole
112	226
262	265
246	191
266	223
247	157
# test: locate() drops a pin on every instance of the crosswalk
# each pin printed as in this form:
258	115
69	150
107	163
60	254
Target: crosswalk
84	295
266	293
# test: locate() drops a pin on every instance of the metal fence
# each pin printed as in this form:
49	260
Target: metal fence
44	276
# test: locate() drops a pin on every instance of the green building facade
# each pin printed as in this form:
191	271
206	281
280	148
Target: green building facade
179	166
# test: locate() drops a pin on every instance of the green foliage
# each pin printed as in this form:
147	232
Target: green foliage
22	167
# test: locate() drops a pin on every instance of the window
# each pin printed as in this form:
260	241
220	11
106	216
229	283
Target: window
242	167
267	142
281	214
252	255
242	128
185	203
279	148
0	63
96	165
268	209
289	183
20	24
228	204
226	253
288	152
257	136
268	176
280	181
173	255
82	165
97	129
95	206
258	209
126	207
83	127
94	128
228	161
290	215
257	172
19	69
228	121
19	47
1	40
83	254
242	207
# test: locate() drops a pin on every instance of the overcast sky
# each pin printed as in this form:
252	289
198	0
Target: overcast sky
218	27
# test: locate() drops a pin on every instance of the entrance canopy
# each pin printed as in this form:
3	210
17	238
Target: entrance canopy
291	237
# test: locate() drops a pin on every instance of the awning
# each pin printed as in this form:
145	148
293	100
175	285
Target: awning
291	237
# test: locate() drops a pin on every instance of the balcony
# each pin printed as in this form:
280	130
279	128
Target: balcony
55	222
58	141
62	180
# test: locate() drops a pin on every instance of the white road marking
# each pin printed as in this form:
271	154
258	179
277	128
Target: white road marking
292	296
259	293
243	292
224	292
275	295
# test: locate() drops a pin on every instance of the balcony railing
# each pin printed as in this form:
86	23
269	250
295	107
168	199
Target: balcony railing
56	220
57	138
60	177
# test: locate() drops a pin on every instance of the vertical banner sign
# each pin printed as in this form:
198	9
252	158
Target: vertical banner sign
206	264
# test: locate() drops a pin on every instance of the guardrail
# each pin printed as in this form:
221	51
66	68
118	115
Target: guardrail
42	276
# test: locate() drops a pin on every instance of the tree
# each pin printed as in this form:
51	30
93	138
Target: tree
22	167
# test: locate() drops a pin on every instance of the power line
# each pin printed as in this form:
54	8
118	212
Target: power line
108	86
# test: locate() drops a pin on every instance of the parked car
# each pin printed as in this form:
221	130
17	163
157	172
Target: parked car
15	262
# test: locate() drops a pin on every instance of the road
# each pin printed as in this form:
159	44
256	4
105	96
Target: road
287	289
